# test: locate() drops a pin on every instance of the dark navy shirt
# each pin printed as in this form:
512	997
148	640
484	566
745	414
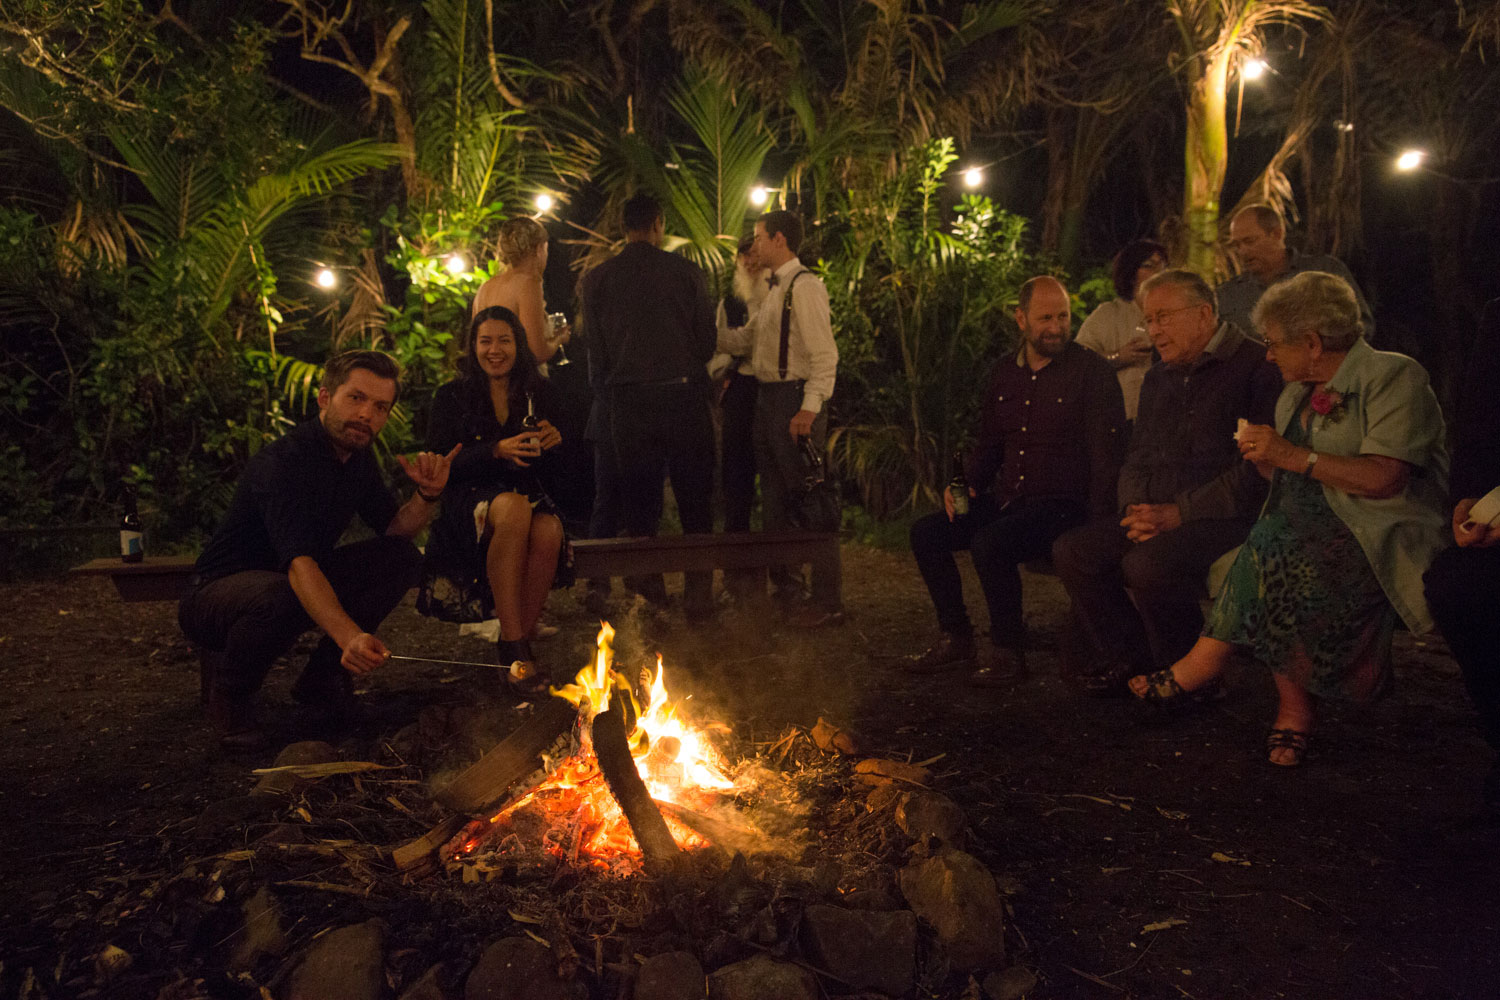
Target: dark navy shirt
296	498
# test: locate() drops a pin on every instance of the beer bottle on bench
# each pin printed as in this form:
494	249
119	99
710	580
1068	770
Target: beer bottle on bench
132	548
958	486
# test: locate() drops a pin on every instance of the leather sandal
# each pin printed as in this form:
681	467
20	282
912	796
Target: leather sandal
1293	740
1164	692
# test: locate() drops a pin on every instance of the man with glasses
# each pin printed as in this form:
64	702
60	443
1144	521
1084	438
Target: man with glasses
1257	238
1185	497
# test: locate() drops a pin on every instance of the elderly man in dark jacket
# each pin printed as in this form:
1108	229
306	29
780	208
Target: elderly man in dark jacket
1185	498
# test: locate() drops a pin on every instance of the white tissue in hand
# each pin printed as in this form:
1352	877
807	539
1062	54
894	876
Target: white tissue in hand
1239	428
1487	510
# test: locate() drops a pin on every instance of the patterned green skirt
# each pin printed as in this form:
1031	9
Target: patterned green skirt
1302	596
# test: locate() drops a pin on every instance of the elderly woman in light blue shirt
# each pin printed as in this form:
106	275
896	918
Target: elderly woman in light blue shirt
1358	471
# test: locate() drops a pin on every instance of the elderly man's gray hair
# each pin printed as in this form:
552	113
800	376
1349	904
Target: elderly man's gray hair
1313	302
1191	283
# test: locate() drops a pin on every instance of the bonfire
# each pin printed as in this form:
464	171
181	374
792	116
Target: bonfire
578	812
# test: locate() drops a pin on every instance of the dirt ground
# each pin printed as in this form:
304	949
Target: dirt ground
1366	874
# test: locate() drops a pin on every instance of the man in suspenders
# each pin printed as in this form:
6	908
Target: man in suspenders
794	358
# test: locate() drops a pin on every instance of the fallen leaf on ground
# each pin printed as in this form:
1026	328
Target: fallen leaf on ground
1172	813
1162	925
1223	858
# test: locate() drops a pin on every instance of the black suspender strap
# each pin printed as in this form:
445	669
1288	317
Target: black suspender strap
786	325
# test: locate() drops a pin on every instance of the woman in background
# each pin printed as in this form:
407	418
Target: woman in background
1116	329
497	545
523	251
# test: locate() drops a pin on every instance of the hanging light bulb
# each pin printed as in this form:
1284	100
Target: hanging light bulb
759	195
1410	160
457	264
973	177
1253	69
544	202
325	278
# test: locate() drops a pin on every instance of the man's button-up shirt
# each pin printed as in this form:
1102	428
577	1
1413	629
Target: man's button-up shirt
812	354
1182	449
1053	432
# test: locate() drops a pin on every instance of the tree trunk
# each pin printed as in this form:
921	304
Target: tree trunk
1207	156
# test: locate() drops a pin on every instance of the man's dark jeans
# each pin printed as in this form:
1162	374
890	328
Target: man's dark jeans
1463	590
783	487
737	472
1139	601
999	539
656	432
253	617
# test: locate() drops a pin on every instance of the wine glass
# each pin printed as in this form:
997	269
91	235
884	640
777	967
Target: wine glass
557	321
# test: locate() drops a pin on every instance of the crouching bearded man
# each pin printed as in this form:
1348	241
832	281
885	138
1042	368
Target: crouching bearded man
274	568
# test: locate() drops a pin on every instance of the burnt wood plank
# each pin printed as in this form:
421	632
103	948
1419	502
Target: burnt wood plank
485	782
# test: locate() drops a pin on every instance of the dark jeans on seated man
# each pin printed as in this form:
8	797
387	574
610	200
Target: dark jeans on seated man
1139	601
249	619
999	540
1463	591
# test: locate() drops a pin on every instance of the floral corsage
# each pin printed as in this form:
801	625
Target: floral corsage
1329	405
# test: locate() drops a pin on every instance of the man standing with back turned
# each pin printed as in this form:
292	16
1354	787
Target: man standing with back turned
650	328
271	570
794	358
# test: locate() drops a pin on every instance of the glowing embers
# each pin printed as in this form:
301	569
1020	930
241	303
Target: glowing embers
571	816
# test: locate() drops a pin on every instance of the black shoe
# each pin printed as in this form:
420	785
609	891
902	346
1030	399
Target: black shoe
948	653
1109	682
234	722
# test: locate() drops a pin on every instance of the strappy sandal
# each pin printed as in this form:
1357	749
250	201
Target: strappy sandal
1294	740
1163	692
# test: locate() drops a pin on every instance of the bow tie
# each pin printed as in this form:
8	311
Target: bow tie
773	281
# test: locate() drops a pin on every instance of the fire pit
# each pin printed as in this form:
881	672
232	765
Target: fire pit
629	783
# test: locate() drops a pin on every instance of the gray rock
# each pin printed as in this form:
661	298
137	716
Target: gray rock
259	932
429	986
869	949
231	814
956	895
286	784
675	975
925	816
1012	984
762	978
344	964
515	968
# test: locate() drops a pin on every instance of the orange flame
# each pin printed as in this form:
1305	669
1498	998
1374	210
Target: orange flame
676	760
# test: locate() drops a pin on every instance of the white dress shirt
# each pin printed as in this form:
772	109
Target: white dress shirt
812	355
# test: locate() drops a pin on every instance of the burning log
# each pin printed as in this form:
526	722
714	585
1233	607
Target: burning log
618	767
716	831
485	782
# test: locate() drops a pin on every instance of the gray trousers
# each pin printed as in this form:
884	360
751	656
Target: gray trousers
782	473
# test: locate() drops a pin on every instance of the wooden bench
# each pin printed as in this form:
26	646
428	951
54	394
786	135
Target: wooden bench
163	578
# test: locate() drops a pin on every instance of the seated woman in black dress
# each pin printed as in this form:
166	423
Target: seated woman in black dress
497	545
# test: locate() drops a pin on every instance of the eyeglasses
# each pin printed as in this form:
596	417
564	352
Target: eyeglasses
1159	318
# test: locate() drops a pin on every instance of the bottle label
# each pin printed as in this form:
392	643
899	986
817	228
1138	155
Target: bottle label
130	543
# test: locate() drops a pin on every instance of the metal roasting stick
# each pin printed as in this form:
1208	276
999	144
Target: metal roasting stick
451	663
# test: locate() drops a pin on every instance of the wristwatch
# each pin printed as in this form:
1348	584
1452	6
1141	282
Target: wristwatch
1312	460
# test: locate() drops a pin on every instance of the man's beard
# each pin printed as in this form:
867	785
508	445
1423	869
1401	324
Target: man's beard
338	430
749	285
1048	348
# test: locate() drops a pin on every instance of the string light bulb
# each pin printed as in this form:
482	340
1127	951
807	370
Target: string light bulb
1410	160
457	264
325	278
759	195
973	177
544	202
1253	69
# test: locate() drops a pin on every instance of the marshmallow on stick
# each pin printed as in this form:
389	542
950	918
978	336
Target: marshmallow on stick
1239	428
